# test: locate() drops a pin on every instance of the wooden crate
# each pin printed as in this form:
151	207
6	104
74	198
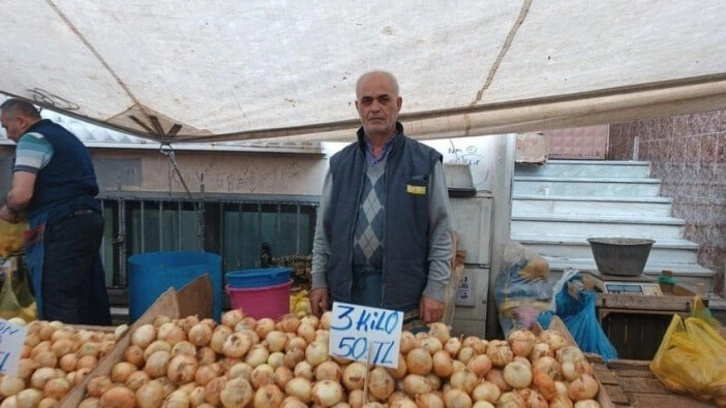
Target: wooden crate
193	299
635	324
629	383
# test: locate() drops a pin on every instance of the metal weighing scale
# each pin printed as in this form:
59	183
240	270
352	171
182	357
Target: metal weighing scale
627	285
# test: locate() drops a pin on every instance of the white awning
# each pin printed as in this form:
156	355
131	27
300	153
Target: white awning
217	70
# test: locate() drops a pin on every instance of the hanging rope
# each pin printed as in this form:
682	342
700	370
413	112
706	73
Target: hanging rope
168	151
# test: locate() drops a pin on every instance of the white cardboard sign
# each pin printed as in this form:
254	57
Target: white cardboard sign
12	338
366	333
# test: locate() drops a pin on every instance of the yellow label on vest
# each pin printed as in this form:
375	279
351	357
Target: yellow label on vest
418	190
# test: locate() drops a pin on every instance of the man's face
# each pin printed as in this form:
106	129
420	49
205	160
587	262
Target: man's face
14	125
378	105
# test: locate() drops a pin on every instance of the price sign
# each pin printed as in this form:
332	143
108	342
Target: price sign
12	338
366	333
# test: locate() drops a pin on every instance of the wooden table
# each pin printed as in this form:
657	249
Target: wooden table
629	383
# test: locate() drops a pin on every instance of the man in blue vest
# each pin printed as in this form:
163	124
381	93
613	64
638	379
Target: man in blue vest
54	185
382	236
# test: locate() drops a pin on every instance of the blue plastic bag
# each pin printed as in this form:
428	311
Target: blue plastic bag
575	305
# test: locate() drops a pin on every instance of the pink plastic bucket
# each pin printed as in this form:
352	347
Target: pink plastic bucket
266	301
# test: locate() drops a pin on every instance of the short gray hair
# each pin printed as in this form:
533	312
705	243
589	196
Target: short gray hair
390	76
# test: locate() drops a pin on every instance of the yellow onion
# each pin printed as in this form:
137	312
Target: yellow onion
521	341
300	388
118	397
429	400
237	393
276	340
419	361
136	380
230	318
415	384
327	393
442	364
261	375
517	375
464	380
282	375
380	383
354	376
486	391
328	370
457	398
269	395
181	369
121	371
143	335
583	388
400	371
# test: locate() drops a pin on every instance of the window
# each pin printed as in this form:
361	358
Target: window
233	229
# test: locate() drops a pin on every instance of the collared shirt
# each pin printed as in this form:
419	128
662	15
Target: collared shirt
369	151
32	153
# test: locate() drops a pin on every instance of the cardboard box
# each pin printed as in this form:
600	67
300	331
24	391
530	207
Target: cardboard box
532	148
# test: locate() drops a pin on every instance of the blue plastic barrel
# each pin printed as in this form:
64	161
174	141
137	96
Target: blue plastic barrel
153	273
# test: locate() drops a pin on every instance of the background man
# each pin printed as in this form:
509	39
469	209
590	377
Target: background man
55	185
382	235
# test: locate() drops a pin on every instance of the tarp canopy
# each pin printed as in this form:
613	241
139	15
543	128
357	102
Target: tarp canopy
217	70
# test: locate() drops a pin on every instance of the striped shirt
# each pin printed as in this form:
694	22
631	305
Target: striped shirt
32	153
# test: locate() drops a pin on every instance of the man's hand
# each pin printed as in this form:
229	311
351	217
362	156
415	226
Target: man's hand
319	301
8	215
431	309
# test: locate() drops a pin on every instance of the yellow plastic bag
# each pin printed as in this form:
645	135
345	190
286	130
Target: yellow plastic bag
691	359
702	312
21	288
9	306
11	238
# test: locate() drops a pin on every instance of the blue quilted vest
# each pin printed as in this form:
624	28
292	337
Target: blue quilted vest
68	181
405	265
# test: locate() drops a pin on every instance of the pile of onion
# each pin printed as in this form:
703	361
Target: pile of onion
55	358
244	362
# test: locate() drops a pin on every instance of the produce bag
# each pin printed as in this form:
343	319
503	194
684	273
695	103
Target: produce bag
691	359
522	289
574	303
21	287
9	305
11	238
